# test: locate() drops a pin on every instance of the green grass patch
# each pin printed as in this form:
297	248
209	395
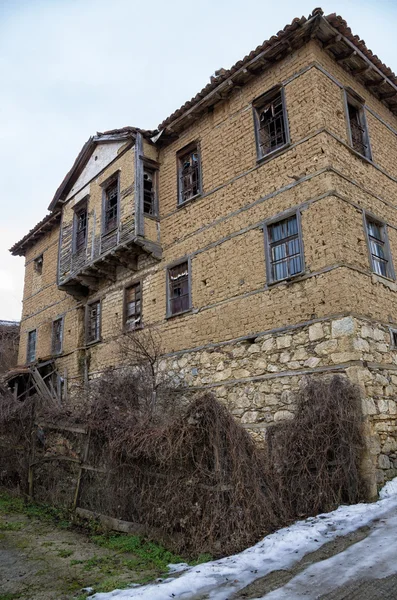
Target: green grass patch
11	526
65	553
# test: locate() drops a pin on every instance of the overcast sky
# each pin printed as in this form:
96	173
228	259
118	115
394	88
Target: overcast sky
69	68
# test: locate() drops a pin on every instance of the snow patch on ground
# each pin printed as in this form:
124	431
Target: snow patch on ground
280	550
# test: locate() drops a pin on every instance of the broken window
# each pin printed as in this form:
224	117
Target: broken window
358	127
132	308
189	174
93	322
80	227
379	248
31	351
38	264
57	335
111	205
178	288
284	249
271	122
149	191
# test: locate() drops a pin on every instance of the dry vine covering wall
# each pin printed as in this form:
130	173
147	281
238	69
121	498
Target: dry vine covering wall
180	466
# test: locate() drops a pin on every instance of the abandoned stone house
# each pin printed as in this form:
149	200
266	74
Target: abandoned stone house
256	228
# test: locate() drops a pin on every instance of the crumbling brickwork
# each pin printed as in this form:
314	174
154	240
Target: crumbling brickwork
249	339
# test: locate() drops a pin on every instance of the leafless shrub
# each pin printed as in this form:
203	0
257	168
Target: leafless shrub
9	340
314	460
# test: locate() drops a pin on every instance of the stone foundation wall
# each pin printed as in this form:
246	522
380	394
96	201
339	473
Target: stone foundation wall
256	377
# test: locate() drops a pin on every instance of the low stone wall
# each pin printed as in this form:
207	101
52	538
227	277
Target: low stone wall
256	377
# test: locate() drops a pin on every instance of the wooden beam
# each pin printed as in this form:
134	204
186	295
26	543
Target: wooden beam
387	95
332	42
346	57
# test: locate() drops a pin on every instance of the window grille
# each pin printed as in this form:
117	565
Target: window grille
81	228
93	322
179	294
31	352
285	249
133	307
358	129
57	335
189	175
271	124
111	206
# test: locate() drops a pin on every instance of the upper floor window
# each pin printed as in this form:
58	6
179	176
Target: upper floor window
133	307
271	123
189	173
358	132
111	205
57	335
149	192
179	289
379	250
80	226
38	264
31	350
93	322
284	249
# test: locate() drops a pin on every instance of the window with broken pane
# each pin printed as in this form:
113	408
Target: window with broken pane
31	351
189	175
378	248
271	124
358	128
93	322
80	224
149	192
133	307
178	288
111	205
285	249
57	335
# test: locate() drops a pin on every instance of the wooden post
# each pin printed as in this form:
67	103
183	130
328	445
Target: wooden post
83	462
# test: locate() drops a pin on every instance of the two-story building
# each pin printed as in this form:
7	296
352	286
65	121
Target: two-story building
255	228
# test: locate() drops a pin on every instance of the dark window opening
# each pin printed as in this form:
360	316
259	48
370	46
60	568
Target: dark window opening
272	129
111	206
133	307
285	249
57	336
81	218
358	130
189	175
31	352
149	194
93	322
38	264
378	248
393	334
178	282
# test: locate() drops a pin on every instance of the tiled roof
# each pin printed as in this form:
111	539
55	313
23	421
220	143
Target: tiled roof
42	227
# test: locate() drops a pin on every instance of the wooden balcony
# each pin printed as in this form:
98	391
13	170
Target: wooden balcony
81	272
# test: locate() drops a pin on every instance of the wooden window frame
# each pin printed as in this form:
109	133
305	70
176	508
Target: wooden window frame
259	104
352	98
268	255
77	209
114	178
86	320
369	217
148	166
189	149
188	261
53	349
28	360
126	329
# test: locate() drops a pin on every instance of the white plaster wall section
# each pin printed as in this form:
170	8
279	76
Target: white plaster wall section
101	157
85	191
